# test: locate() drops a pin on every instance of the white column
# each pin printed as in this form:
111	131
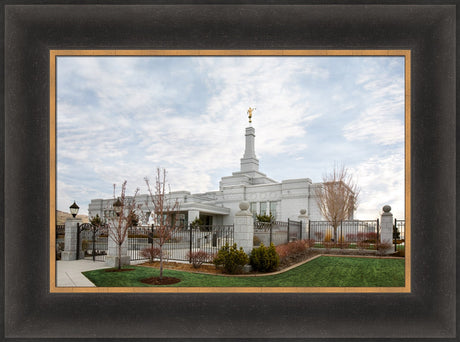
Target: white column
244	228
112	256
192	215
70	246
303	218
386	228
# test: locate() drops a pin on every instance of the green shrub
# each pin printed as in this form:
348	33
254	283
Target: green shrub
264	259
196	223
256	241
265	218
231	259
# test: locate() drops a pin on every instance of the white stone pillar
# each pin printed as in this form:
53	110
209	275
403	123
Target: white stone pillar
303	218
70	246
249	162
112	256
244	228
192	215
386	228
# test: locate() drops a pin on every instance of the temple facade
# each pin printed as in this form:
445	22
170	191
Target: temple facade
282	199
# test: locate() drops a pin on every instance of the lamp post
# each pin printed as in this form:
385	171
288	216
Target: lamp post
74	209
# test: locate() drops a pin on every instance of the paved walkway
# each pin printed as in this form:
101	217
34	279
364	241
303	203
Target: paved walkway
68	273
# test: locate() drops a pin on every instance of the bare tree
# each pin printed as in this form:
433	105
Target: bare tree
337	197
164	210
124	217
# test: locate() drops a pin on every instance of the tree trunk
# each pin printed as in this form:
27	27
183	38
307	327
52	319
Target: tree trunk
161	262
119	256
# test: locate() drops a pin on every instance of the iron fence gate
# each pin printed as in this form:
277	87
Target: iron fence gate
93	241
277	232
399	234
181	242
60	240
347	233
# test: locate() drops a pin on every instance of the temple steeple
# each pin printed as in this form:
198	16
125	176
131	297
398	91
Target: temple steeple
249	162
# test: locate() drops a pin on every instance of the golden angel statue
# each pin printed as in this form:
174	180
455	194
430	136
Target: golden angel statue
250	110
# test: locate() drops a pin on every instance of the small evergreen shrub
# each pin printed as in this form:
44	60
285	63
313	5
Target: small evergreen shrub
196	223
256	241
264	259
265	218
197	258
84	245
231	259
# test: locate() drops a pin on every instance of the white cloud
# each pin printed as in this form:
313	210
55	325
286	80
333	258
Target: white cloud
381	179
121	118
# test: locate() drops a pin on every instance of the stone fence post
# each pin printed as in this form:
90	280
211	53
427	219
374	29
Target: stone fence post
386	227
303	218
244	228
70	246
112	256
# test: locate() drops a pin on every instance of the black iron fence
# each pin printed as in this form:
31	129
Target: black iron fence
180	242
277	232
94	241
399	234
350	233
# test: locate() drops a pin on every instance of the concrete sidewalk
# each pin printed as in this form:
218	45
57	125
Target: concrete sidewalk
68	273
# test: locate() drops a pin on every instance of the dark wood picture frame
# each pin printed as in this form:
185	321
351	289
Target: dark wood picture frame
32	30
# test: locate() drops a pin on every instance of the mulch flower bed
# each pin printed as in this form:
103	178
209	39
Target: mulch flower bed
287	262
119	270
211	269
162	281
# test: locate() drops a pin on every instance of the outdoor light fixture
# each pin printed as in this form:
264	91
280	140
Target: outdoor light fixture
117	207
74	209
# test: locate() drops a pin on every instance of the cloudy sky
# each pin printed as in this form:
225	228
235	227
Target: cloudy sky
118	118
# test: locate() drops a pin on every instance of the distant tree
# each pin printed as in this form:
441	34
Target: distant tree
164	210
96	221
337	197
123	218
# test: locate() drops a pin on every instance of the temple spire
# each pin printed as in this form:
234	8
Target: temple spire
249	162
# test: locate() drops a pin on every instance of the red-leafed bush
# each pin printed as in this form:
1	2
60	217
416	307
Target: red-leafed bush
310	242
293	249
197	258
367	237
282	251
150	253
383	247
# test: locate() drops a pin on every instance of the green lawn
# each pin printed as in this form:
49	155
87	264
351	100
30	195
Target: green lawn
324	271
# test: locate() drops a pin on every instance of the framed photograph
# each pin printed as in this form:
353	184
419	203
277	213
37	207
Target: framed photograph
302	219
94	93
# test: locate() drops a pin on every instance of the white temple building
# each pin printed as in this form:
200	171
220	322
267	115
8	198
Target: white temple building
284	200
